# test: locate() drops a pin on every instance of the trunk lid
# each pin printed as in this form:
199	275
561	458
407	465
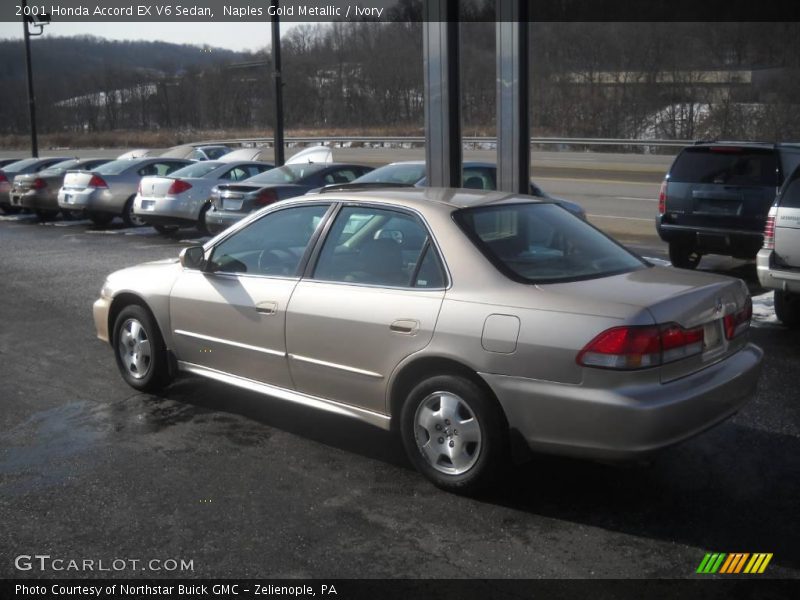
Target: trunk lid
787	236
77	180
691	299
155	187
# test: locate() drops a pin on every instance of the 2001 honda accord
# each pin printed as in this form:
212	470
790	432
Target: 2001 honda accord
460	317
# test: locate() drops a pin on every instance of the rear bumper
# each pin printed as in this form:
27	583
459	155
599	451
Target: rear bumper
773	278
626	423
90	199
34	200
169	210
715	240
219	220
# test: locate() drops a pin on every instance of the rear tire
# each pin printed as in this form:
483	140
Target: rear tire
787	308
139	349
454	434
201	219
683	255
129	217
100	219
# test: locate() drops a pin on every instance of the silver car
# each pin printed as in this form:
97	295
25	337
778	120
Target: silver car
182	198
21	167
39	191
778	262
460	319
109	190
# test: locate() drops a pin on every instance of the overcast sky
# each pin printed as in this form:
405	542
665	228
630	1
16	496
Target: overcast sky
235	36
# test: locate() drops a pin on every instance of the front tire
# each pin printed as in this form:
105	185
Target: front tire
787	308
139	349
683	255
454	434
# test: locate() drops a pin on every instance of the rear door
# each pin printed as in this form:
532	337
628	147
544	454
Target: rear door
727	187
372	300
787	226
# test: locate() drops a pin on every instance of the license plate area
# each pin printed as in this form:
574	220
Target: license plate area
712	336
148	204
228	204
68	198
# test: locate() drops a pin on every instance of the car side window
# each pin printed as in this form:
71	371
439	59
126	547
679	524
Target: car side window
376	246
791	195
272	245
236	174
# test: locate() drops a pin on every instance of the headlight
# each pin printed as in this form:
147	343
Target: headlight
106	291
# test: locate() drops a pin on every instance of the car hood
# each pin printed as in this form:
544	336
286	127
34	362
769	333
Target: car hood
145	276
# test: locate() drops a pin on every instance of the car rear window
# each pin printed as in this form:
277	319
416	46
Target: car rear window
727	165
60	167
402	174
287	173
20	164
790	195
115	167
544	243
200	169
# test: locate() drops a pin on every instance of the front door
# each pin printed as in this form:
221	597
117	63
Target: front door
231	316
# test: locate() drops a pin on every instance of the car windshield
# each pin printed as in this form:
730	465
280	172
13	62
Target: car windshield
60	167
543	243
287	173
728	165
115	167
396	174
199	169
20	164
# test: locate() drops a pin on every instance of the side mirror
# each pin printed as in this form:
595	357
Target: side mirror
193	257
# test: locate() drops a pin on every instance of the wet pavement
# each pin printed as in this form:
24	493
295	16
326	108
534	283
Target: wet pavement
242	485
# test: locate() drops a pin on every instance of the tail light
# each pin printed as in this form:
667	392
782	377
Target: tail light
97	182
639	347
769	229
39	183
139	188
737	323
178	186
3	178
662	198
266	197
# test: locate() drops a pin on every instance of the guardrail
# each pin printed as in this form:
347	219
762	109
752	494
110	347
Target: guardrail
411	141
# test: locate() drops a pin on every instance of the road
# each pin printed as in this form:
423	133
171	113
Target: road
245	486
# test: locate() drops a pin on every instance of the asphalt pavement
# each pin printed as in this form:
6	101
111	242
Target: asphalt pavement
240	485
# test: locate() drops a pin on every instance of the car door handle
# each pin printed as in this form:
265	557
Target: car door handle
406	326
267	308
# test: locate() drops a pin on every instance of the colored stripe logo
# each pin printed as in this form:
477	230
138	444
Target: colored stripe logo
734	563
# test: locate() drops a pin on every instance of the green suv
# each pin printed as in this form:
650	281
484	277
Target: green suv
716	196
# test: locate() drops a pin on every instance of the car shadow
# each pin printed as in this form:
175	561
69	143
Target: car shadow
733	489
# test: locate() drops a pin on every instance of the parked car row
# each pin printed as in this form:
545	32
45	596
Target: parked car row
169	192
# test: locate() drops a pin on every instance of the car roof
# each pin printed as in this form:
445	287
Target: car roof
744	144
466	163
422	198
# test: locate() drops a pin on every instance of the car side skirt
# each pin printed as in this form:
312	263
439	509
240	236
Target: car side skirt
373	418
